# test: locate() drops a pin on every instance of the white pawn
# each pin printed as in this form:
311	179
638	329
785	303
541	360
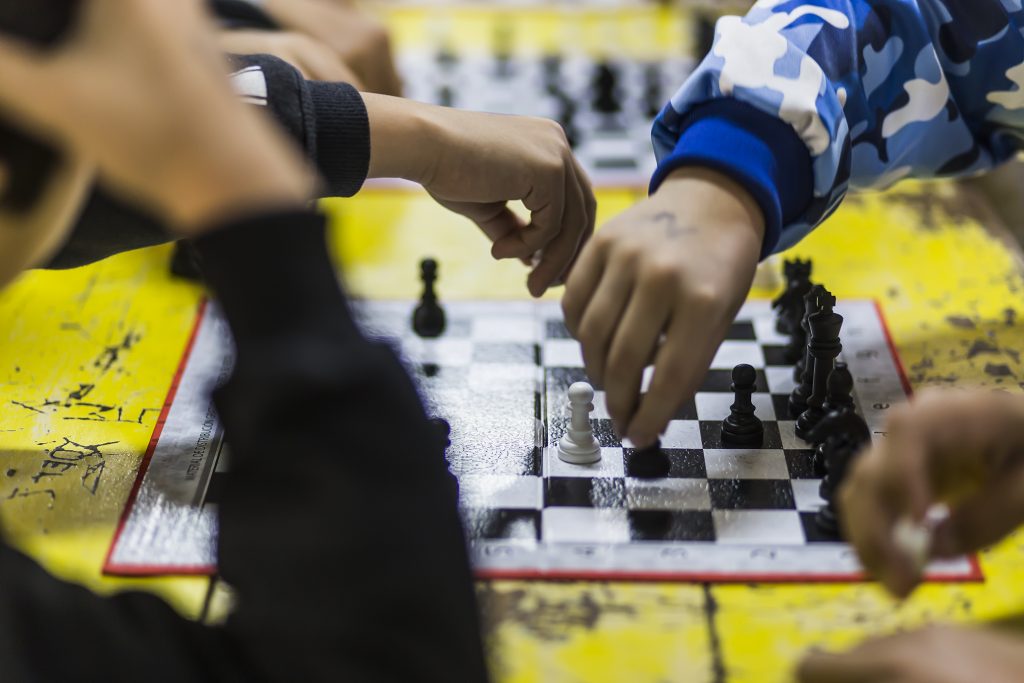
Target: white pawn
578	445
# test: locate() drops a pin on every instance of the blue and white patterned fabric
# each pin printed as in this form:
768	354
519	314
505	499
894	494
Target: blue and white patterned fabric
875	90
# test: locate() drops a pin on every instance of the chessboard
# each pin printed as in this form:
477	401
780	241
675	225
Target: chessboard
606	106
499	375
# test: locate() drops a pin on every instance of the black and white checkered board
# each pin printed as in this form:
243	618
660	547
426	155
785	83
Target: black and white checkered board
499	375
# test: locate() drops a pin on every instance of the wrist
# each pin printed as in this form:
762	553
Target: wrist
706	195
402	137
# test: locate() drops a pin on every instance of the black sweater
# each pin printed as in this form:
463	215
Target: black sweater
339	527
327	120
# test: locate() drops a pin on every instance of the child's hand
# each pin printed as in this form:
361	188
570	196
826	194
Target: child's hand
314	60
938	654
474	163
677	264
960	447
357	37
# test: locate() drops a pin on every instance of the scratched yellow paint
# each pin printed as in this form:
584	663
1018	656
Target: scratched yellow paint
584	632
86	358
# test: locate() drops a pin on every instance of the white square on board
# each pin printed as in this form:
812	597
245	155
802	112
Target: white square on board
779	527
584	525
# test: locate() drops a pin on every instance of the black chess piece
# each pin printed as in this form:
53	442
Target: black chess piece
552	69
445	96
443	432
185	262
604	86
428	319
802	373
446	57
838	396
649	463
843	435
742	428
789	306
824	347
653	100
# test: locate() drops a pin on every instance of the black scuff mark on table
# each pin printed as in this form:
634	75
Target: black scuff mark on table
961	321
719	674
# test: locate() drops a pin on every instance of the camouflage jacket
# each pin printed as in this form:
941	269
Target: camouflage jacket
874	90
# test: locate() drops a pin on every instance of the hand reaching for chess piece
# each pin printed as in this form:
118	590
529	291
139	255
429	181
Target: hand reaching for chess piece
678	264
474	164
964	448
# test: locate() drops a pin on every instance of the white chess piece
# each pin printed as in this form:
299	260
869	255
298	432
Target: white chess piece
578	445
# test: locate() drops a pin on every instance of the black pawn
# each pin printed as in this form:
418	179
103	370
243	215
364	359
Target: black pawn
789	306
442	431
652	97
428	320
838	396
742	428
650	462
803	371
824	346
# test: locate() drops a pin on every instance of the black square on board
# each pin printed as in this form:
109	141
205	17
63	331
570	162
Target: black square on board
812	532
780	404
775	354
585	492
711	435
671	525
490	524
719	380
741	330
800	463
687	411
604	432
751	494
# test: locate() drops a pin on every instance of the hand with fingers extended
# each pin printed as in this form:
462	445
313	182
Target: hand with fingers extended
140	89
663	281
475	163
963	448
937	654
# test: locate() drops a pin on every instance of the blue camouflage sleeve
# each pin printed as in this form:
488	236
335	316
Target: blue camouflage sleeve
800	101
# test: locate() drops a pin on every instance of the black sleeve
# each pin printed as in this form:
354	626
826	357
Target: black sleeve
327	120
339	527
339	491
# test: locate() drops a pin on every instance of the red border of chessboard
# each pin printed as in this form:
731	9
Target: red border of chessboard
111	567
975	575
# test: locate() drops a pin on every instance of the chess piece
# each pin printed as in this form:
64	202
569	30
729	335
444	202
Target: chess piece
443	431
803	372
838	396
797	323
653	100
445	96
742	428
843	435
650	462
578	445
605	89
824	347
428	319
789	306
